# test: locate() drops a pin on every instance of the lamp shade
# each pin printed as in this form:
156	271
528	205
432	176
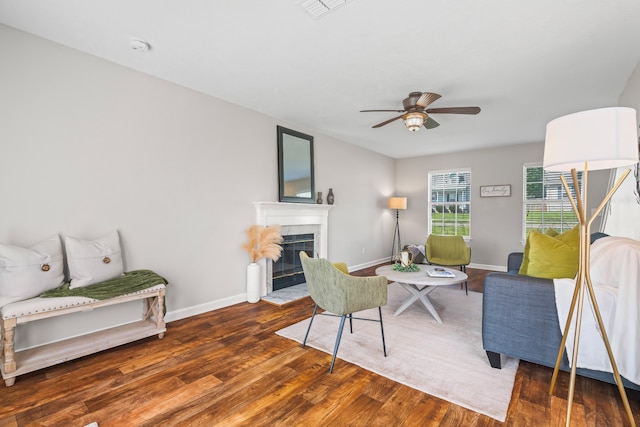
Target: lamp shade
605	138
397	203
414	120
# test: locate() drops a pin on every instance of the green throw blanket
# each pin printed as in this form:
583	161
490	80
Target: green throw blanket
130	282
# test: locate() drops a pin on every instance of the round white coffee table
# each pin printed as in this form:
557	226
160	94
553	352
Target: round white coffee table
420	285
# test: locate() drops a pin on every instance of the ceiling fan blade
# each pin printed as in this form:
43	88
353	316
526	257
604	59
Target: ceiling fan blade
388	121
453	110
430	124
382	111
427	98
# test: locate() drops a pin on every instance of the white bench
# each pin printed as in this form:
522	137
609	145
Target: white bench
15	363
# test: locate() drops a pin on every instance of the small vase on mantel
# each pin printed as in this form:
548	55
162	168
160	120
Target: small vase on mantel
319	199
330	196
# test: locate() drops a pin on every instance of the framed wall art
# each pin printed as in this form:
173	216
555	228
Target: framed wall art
495	190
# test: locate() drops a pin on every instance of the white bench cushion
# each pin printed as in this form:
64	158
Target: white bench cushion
42	305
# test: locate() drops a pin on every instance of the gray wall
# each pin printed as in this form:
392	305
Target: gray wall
624	211
496	222
89	146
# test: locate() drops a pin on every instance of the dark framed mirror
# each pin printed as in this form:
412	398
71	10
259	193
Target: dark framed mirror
295	166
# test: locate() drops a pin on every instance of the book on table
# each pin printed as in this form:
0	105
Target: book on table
439	272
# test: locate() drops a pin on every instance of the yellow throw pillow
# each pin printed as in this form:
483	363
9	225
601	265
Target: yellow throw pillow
525	259
551	232
550	257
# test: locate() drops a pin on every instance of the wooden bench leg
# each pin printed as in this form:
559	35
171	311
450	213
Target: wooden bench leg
8	351
147	303
154	309
160	313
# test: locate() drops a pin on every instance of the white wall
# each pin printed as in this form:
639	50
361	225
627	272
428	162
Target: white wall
496	222
88	146
624	210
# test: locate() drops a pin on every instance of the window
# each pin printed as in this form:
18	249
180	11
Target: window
545	202
450	202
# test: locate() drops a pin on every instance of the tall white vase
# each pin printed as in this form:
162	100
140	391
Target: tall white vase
253	282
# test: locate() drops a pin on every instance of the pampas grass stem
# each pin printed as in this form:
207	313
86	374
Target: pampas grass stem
263	242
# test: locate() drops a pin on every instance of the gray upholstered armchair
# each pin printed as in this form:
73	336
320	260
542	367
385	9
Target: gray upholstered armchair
340	294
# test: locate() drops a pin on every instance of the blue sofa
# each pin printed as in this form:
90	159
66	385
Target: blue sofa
519	319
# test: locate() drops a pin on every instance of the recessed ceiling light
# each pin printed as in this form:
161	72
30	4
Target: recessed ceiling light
139	45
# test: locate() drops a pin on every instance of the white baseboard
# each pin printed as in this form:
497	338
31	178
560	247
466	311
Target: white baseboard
488	267
183	313
368	264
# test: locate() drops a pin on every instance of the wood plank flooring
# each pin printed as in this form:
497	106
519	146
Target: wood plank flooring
229	368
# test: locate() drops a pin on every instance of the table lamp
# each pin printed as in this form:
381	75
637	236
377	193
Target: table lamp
604	138
397	203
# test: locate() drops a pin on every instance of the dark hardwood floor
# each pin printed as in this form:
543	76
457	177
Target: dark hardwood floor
229	368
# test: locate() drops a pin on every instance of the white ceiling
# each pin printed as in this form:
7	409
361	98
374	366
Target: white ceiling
523	62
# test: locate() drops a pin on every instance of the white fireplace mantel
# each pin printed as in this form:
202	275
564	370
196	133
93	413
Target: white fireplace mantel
290	215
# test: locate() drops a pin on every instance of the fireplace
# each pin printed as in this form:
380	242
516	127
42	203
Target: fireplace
295	219
287	271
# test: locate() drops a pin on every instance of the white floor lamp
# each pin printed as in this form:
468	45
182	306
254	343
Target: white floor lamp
605	138
397	203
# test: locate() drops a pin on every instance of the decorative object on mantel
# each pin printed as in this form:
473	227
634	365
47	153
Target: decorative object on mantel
397	203
319	199
330	196
263	242
593	140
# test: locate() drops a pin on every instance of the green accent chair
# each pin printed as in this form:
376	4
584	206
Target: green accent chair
448	251
341	295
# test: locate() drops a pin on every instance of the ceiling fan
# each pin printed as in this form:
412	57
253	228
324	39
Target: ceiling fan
415	113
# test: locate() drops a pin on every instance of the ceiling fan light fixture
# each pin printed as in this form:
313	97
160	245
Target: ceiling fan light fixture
414	120
415	113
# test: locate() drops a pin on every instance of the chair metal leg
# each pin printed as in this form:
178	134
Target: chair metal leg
466	282
384	346
463	268
351	322
304	343
335	350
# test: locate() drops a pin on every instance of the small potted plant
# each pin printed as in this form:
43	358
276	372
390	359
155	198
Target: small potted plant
262	242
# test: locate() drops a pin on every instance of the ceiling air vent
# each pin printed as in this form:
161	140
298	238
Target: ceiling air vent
319	8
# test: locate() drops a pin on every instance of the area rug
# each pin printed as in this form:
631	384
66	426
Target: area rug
444	360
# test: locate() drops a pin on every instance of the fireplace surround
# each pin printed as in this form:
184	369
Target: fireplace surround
294	218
